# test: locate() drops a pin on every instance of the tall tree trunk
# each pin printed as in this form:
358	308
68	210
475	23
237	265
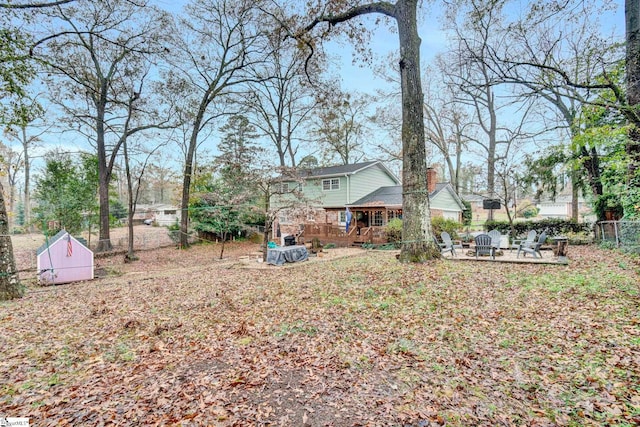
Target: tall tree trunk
104	174
632	20
417	237
188	172
130	203
574	196
27	179
10	286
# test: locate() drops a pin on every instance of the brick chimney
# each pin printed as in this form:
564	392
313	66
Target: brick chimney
431	180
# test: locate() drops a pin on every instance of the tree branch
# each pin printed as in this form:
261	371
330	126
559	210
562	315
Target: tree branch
33	5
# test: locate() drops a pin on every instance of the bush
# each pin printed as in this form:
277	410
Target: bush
553	227
607	244
439	224
630	236
579	238
529	212
467	214
174	232
608	203
393	231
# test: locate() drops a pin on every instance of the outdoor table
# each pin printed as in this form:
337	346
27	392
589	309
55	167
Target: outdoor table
280	255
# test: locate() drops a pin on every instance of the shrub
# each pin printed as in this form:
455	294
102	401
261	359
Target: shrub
579	238
607	244
467	213
608	203
529	212
393	231
553	227
439	224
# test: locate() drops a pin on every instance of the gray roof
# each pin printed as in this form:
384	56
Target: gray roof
342	170
389	196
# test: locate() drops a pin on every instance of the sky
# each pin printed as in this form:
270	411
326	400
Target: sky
355	74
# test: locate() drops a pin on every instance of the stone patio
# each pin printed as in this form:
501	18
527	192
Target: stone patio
506	255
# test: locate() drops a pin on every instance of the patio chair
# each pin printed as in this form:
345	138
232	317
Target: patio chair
495	239
484	246
534	248
443	246
448	244
528	242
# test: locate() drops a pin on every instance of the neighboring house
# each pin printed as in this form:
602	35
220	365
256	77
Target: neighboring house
64	259
372	193
561	208
160	214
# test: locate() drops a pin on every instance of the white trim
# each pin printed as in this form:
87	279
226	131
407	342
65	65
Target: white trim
330	182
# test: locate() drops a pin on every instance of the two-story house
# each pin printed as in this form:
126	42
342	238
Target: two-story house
373	195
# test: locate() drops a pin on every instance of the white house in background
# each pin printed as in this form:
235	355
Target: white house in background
161	214
561	208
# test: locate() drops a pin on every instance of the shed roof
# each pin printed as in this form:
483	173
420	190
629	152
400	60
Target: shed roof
60	235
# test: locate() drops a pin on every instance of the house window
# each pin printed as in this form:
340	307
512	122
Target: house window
342	217
378	219
282	187
284	218
171	212
331	184
396	213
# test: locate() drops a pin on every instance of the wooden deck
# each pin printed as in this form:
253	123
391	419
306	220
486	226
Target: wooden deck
329	233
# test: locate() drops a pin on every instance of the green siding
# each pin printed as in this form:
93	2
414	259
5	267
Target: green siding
444	201
367	181
360	184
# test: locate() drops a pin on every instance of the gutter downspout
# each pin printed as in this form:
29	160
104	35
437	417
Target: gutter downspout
348	188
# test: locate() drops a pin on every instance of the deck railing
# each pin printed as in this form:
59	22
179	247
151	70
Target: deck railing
329	233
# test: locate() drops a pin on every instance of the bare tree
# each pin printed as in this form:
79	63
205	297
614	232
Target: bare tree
603	88
546	41
25	114
94	53
34	5
134	174
481	90
219	42
446	125
281	99
417	236
341	127
12	163
161	179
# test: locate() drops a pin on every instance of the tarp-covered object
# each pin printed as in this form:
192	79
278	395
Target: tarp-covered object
64	259
278	256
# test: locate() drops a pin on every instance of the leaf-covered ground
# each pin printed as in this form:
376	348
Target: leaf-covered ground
179	338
